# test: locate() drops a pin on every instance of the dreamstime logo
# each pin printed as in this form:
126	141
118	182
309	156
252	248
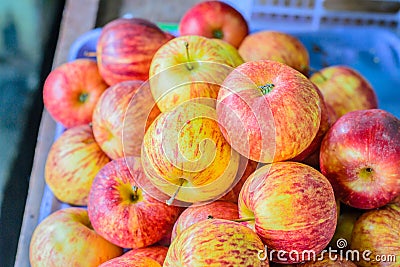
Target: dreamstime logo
332	254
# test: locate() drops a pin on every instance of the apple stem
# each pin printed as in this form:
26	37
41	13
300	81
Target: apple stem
245	219
172	198
83	97
188	65
265	89
218	34
134	194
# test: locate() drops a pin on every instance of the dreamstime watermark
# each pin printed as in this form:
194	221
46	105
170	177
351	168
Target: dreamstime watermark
332	254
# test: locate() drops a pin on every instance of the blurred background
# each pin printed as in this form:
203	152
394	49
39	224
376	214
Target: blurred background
29	31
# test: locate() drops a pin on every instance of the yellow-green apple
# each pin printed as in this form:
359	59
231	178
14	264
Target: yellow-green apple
216	242
123	261
214	19
341	83
66	238
126	47
122	212
189	67
328	259
136	256
376	236
360	155
232	51
292	207
185	155
120	117
241	177
268	111
71	91
276	46
73	161
193	214
310	155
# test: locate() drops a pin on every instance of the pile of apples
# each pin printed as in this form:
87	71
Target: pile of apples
217	147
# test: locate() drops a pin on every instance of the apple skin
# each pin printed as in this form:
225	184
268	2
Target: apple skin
214	19
360	156
340	83
215	242
265	105
66	238
126	47
73	161
291	206
184	149
121	116
71	92
135	257
232	51
378	231
124	261
276	46
193	214
307	156
189	67
127	217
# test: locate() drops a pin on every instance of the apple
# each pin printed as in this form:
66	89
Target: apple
120	118
276	46
73	161
124	261
269	112
66	238
340	83
311	154
126	47
328	259
216	242
232	51
122	212
360	156
135	257
189	67
191	215
71	91
185	155
376	235
291	206
214	19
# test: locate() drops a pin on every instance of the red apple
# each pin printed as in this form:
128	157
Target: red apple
126	47
216	242
360	156
344	228
72	164
71	91
214	19
292	207
135	256
268	111
311	154
276	46
120	118
376	236
124	261
66	238
185	155
193	214
189	67
122	212
339	84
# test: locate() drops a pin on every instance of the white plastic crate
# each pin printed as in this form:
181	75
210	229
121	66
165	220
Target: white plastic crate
309	15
